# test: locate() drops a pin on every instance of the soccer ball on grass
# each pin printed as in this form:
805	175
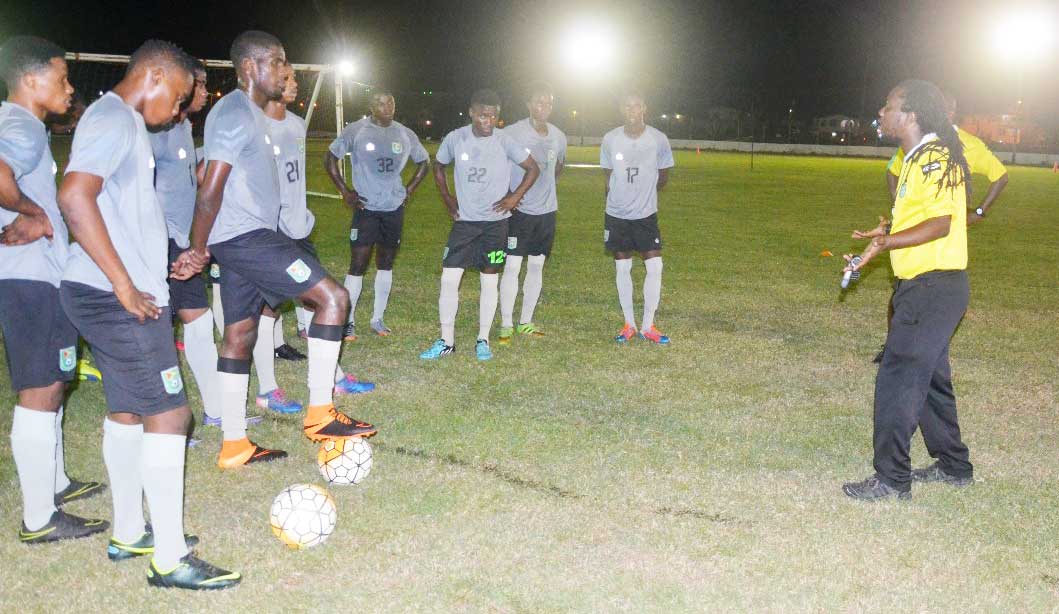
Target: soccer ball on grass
303	515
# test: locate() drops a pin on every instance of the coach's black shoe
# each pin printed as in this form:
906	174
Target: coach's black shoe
78	490
286	352
62	526
878	357
193	574
873	489
934	473
120	551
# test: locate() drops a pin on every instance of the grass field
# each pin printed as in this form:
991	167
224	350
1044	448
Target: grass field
570	474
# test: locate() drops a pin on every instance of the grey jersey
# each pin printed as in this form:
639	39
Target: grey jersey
175	160
111	142
549	152
288	142
481	169
24	148
634	164
378	156
237	133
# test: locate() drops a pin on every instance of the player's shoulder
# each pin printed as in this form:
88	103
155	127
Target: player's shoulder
553	129
353	129
656	134
613	134
235	104
458	134
108	112
19	125
969	140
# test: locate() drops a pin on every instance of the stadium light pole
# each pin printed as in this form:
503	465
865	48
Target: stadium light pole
587	52
1022	38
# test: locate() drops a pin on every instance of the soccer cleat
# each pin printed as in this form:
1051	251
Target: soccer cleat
286	352
120	551
211	421
87	373
179	345
482	351
323	423
78	490
506	333
380	328
193	574
654	336
350	333
351	385
873	489
529	329
438	350
626	333
278	402
62	526
245	452
934	473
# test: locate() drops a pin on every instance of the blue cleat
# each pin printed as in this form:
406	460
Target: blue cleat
351	385
438	350
278	402
482	351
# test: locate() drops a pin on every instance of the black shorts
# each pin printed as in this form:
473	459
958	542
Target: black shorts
530	235
141	374
632	235
189	293
263	266
371	227
475	245
40	341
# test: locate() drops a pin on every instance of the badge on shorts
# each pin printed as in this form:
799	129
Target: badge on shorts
445	253
512	242
353	232
606	236
67	358
215	271
171	380
301	145
299	271
396	148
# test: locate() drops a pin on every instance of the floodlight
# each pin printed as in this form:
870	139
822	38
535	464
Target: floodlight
1023	36
588	48
345	67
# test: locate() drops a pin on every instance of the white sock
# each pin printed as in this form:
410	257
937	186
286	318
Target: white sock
277	332
353	284
61	479
383	283
509	290
652	290
234	388
201	353
163	471
305	317
487	303
218	311
265	355
449	303
323	359
624	283
33	446
123	446
531	288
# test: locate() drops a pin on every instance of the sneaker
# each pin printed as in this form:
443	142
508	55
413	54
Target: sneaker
194	574
334	424
350	333
120	551
278	402
286	352
626	333
351	385
87	373
380	329
245	452
211	421
529	329
654	336
873	489
482	351
438	350
78	490
506	333
62	526
934	473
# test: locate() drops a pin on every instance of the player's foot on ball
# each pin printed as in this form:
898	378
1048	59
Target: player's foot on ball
78	490
482	351
654	336
278	402
351	385
874	489
87	373
192	573
211	421
239	452
439	349
324	422
349	333
626	333
286	352
529	329
380	328
120	551
935	473
62	526
506	333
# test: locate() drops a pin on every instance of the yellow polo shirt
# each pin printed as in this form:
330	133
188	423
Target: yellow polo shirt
980	160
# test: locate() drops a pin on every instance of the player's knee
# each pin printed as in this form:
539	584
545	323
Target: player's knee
384	259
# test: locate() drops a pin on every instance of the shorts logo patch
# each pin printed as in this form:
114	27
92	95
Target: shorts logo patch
215	271
397	148
353	234
657	240
171	380
512	242
369	147
301	145
445	252
181	153
606	236
299	271
67	358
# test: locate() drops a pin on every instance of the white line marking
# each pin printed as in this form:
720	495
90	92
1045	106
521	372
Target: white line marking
324	195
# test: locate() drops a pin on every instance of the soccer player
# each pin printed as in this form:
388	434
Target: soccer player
481	160
114	291
928	253
636	159
379	148
40	342
531	227
237	213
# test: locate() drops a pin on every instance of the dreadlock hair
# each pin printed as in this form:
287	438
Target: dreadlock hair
932	115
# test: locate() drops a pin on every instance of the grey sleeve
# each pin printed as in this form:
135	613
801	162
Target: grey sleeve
445	153
227	134
665	153
21	147
515	152
604	154
343	144
418	154
100	144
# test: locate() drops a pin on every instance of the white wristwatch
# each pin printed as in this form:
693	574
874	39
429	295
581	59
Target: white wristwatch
980	211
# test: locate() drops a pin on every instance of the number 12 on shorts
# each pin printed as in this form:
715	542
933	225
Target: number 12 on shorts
496	257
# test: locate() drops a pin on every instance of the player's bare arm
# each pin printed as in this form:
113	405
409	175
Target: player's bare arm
31	224
208	204
923	232
349	194
512	200
606	183
663	178
447	198
421	172
995	189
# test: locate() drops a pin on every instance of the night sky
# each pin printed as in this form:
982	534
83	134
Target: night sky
823	56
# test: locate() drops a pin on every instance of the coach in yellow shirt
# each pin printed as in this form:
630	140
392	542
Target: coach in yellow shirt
928	252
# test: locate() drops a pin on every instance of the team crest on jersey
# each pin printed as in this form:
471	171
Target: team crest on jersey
181	153
301	145
299	271
369	147
464	156
551	155
931	167
275	150
67	358
171	380
215	271
618	156
397	148
512	242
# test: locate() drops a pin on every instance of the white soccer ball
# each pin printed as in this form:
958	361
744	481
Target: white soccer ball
303	515
344	461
